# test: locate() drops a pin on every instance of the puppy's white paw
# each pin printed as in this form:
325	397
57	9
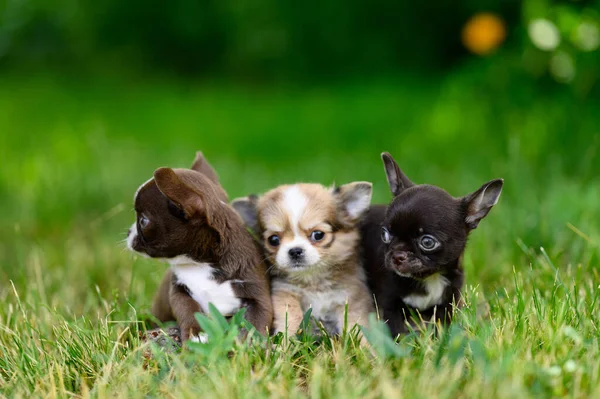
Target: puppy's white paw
201	338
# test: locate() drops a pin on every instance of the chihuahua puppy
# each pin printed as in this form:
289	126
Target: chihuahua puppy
183	217
413	248
311	240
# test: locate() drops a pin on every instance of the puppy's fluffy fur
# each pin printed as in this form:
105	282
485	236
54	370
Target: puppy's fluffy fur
311	239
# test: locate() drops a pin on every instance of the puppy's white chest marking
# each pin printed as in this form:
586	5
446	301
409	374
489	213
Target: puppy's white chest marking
204	289
324	304
434	285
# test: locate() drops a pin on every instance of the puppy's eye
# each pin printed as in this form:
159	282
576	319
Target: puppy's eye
386	237
144	221
428	243
317	235
274	240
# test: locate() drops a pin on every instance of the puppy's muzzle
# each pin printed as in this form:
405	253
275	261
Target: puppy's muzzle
404	263
399	258
296	254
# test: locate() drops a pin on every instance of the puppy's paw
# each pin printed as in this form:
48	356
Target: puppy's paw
165	338
201	338
279	326
188	331
168	340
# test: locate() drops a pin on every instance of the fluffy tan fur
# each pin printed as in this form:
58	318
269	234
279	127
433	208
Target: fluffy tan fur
336	278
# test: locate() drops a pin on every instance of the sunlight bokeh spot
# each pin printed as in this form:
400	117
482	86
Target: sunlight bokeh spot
483	33
587	36
562	67
544	34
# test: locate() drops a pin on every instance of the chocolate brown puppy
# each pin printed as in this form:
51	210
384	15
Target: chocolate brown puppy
183	217
413	248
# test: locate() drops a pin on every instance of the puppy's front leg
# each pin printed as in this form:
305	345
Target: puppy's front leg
358	313
286	308
183	307
260	315
161	308
359	307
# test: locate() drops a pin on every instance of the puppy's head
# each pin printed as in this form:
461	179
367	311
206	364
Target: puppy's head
175	212
306	226
425	229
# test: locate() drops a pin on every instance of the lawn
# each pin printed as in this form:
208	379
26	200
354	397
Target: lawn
73	151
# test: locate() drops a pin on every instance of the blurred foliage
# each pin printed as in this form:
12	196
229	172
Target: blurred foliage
265	40
258	38
262	40
564	38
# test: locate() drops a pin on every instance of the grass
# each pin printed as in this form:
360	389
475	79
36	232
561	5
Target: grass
74	151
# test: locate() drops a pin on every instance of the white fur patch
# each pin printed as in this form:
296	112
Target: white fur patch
434	285
131	236
294	205
200	338
198	278
358	204
327	304
294	202
133	233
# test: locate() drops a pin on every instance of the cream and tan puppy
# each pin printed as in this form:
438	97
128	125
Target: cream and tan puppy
311	240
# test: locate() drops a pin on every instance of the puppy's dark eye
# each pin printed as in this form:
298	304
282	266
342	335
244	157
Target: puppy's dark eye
317	235
386	237
274	240
428	243
144	221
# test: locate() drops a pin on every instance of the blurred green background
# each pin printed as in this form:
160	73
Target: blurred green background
95	95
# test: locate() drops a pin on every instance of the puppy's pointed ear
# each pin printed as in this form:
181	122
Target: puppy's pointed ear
479	203
184	197
246	208
397	180
354	199
201	165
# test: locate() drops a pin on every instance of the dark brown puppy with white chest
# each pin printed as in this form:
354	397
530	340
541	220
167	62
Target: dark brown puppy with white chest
413	248
183	217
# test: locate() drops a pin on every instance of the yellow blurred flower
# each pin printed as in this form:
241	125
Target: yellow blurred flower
483	33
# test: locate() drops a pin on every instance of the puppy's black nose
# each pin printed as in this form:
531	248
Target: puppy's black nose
296	253
399	257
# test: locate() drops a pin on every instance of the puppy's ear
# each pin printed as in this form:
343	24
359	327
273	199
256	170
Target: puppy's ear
201	165
397	180
354	199
246	208
184	197
479	203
